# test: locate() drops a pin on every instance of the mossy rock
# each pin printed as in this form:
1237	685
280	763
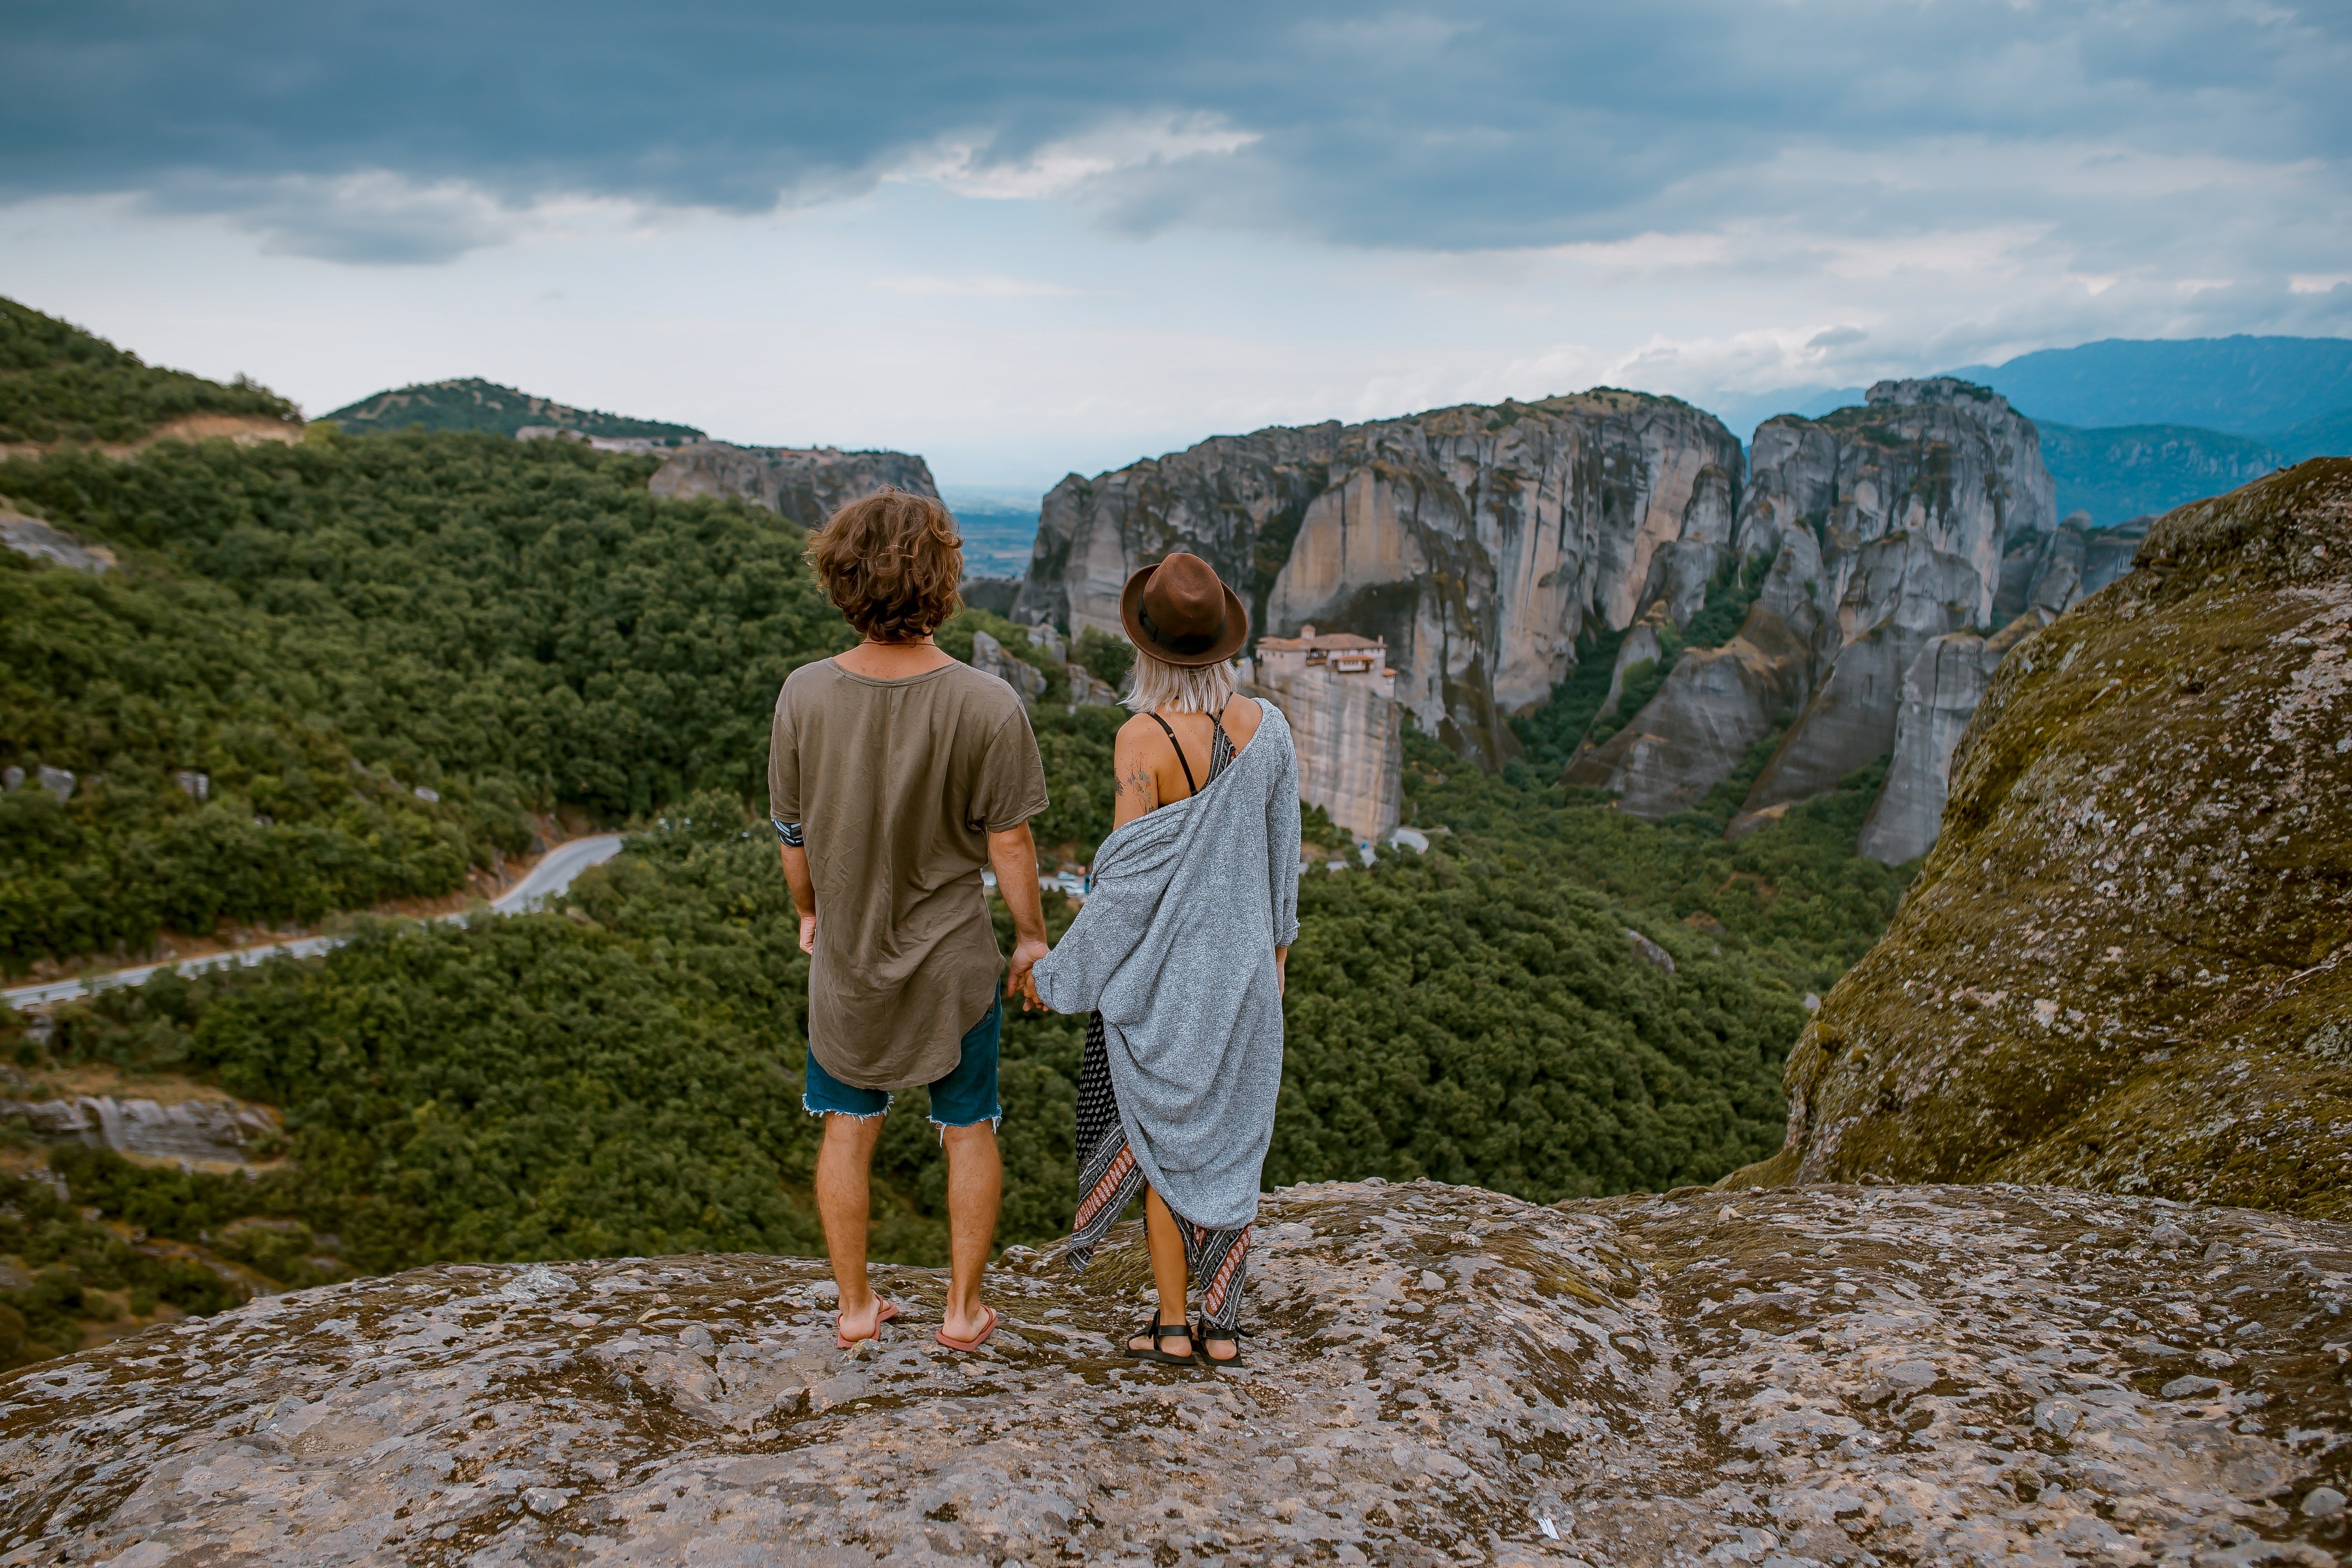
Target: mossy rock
2124	966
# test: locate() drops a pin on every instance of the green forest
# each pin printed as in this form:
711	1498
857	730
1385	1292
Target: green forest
391	654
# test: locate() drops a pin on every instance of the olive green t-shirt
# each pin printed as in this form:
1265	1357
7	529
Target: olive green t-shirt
896	786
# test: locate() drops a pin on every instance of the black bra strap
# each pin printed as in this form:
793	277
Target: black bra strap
1190	788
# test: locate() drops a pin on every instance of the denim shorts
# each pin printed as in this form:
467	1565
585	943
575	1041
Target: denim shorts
965	1098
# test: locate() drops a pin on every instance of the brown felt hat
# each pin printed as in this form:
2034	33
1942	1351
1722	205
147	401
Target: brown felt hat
1180	612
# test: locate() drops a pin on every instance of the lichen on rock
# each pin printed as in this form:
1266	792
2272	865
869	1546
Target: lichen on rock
2123	967
1436	1376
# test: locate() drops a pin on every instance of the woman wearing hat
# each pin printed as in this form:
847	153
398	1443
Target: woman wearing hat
1178	954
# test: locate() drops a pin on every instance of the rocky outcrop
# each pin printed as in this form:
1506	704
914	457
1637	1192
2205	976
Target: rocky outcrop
805	484
199	1130
2123	967
1913	498
1479	541
31	536
991	657
1887	524
1437	1376
1940	693
1716	703
1346	731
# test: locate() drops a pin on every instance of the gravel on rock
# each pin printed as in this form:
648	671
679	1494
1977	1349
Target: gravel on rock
1437	1374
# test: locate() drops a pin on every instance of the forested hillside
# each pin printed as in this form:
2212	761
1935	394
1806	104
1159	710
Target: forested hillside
58	383
470	403
323	629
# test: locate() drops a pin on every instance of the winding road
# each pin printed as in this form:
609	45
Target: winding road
548	879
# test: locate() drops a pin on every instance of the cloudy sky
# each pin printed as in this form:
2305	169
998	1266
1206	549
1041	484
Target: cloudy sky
1024	238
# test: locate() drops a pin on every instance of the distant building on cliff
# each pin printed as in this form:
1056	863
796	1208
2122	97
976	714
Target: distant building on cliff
1339	695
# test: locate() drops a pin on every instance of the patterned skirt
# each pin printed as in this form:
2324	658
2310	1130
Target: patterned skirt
1108	1178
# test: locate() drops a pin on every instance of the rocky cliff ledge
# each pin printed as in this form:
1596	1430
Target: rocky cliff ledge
2125	966
805	484
1439	1375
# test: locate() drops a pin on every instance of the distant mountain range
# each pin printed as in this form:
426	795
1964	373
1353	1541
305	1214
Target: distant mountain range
2273	389
473	404
2135	426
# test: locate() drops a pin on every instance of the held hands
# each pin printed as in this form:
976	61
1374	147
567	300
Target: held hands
1021	979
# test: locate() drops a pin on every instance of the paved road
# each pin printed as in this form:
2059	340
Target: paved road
547	880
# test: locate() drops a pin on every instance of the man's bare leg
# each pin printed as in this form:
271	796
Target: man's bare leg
845	1165
1168	1273
975	1193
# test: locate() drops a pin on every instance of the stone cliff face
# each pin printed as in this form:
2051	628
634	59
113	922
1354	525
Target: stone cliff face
1887	524
806	485
1437	1376
1479	541
2124	964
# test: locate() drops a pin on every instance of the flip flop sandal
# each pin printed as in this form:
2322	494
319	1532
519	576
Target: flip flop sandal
1159	1331
1208	1334
888	1310
973	1343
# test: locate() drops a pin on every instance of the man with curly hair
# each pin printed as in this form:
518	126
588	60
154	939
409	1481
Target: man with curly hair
896	775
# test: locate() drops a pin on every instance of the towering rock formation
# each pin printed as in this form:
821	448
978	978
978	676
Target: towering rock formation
1339	696
2124	966
1887	525
805	484
1477	541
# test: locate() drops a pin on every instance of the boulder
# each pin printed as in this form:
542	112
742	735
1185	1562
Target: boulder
31	536
1436	1376
2123	967
805	484
991	658
1480	543
1088	690
203	1129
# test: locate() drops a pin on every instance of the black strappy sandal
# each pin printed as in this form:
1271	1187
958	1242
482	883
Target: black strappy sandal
1208	1334
1159	1331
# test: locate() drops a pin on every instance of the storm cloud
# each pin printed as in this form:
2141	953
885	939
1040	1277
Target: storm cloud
413	133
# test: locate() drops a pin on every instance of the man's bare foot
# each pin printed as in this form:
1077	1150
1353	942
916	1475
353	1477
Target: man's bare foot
965	1324
853	1324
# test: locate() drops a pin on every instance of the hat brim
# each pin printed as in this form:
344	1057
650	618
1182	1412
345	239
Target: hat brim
1229	640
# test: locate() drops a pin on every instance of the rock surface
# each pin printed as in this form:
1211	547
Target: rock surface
804	484
1479	541
2124	966
202	1130
1886	525
1437	1376
991	658
31	536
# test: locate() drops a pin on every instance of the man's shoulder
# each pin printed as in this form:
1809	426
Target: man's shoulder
809	679
979	693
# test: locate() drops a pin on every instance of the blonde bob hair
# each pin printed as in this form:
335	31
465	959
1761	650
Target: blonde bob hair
1155	683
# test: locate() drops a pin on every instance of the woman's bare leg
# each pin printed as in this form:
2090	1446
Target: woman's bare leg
1167	1275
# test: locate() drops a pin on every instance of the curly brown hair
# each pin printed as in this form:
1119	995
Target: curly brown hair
891	563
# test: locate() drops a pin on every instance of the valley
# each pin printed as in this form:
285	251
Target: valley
1675	721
